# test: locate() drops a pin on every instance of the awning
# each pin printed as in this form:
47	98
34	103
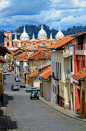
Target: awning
24	72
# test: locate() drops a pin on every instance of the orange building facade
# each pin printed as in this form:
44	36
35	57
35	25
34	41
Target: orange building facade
79	63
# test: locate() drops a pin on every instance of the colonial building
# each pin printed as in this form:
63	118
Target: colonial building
26	42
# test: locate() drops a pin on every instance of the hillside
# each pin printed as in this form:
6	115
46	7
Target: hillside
30	29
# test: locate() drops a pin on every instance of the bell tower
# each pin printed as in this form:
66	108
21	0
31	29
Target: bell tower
8	39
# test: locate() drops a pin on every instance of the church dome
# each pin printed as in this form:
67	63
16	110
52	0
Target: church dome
59	35
42	35
24	35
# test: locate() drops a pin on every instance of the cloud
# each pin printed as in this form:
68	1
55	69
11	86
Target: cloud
53	13
4	4
80	3
26	7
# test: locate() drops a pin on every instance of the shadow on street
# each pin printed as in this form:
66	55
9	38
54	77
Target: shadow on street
5	121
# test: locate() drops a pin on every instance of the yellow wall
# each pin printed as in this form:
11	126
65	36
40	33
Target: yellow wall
36	63
83	87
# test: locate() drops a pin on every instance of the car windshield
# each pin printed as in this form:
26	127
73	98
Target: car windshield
33	92
16	85
33	87
22	83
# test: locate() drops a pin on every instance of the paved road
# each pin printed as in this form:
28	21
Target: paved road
33	115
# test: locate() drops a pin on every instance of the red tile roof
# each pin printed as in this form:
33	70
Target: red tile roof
61	42
46	74
21	59
2	59
34	74
24	72
40	55
79	34
22	54
80	75
17	53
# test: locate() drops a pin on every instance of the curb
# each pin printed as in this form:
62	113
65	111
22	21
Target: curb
44	101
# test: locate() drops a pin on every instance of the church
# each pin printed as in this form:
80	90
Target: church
25	42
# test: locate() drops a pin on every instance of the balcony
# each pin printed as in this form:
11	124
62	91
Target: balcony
80	50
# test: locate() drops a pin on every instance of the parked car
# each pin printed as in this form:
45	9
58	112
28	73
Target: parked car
14	87
17	79
34	94
32	89
23	85
10	70
7	73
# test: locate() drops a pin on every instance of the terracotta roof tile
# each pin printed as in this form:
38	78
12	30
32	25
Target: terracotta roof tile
80	75
46	74
21	59
34	74
61	42
22	54
40	55
78	34
24	72
17	53
2	59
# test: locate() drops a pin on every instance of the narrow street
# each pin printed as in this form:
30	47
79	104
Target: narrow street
33	115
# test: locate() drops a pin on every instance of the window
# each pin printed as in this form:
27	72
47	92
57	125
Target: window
7	43
60	70
33	43
53	88
7	36
24	43
71	65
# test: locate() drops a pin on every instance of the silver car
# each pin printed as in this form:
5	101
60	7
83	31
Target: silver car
14	87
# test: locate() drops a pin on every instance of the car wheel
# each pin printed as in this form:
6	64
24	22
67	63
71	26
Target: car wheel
38	98
31	98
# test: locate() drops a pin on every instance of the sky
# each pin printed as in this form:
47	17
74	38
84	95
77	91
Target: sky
53	13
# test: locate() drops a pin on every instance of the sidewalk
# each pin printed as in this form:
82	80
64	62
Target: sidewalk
67	112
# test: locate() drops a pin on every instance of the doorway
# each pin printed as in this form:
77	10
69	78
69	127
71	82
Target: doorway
83	102
58	94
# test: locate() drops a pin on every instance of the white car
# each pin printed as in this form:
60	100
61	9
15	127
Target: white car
17	79
7	73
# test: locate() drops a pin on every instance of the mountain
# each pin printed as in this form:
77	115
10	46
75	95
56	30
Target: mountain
30	29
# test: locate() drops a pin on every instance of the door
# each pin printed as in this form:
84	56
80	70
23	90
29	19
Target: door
83	102
58	95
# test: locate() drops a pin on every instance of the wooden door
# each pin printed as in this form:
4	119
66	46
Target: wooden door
58	96
83	102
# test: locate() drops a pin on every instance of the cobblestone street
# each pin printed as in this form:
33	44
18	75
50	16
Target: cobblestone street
34	115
